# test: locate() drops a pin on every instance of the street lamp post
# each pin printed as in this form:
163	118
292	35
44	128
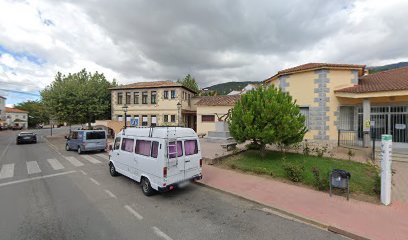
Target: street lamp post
125	109
178	113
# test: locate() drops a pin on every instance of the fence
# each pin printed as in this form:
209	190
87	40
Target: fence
352	138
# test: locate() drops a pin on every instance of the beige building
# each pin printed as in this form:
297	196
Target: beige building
157	103
16	117
2	110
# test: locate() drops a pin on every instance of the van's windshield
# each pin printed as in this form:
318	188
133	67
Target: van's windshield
95	135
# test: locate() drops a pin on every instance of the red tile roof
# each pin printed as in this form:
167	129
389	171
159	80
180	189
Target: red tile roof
316	66
227	100
14	110
391	80
155	84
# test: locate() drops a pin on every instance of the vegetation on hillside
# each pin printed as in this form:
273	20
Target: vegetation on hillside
387	67
225	88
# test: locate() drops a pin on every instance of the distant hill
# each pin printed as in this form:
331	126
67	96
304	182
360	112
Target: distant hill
225	88
387	67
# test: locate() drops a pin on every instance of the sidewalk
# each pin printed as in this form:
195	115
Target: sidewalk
360	218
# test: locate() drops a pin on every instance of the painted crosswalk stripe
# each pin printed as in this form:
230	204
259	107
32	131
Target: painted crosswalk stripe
55	164
104	156
91	159
132	211
7	171
32	167
74	161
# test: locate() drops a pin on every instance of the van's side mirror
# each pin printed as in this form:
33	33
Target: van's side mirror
110	147
66	137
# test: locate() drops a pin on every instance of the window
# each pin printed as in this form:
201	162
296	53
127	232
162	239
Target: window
347	118
207	118
155	149
120	118
136	98
24	116
190	147
144	97
153	121
143	147
128	97
95	135
120	98
74	135
117	143
127	144
166	95
305	112
153	97
173	118
172	149
166	118
136	117
144	120
173	94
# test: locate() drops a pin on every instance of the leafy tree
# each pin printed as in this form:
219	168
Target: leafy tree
267	116
79	97
37	113
190	83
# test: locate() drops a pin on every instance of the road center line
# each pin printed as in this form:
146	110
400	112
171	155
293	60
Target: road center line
110	193
160	233
94	181
132	211
35	178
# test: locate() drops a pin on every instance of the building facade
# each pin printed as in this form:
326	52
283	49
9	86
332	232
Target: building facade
2	110
16	117
158	103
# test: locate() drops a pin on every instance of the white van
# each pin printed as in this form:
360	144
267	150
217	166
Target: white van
160	158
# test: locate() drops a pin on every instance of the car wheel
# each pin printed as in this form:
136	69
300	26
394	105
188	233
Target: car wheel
146	187
67	147
112	170
79	150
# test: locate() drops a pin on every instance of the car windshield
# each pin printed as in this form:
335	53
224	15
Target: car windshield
26	134
95	135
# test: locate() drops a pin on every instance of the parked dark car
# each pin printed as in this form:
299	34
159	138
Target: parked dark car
17	127
26	137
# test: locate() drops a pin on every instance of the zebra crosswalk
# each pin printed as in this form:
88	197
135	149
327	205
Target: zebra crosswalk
34	167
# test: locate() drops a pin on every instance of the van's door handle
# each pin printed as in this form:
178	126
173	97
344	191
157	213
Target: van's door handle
187	160
117	154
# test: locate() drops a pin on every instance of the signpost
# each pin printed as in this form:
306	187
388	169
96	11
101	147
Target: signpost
134	122
386	152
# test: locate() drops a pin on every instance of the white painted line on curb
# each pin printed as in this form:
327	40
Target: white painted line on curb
160	233
283	215
35	178
74	161
110	193
91	159
32	167
94	181
83	172
7	171
55	164
132	211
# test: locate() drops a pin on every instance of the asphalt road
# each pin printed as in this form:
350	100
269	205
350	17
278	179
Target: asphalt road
45	195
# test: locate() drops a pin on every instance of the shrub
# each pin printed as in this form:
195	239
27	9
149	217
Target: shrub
294	171
350	153
320	151
306	148
320	182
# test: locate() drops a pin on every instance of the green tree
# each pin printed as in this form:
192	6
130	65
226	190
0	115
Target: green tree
267	116
37	113
189	82
79	97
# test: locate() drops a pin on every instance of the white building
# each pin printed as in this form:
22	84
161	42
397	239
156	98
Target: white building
16	117
2	110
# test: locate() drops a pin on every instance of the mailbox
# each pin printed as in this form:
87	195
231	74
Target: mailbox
340	179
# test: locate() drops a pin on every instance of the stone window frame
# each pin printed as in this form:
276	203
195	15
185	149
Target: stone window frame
119	99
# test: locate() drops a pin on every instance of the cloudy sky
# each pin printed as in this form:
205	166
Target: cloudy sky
214	40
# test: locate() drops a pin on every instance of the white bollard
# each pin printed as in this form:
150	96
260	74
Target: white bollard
386	175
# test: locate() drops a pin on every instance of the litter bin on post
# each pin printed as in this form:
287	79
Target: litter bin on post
340	179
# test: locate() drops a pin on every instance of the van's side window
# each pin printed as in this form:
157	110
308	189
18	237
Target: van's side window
127	144
172	149
143	147
190	147
74	135
155	149
117	143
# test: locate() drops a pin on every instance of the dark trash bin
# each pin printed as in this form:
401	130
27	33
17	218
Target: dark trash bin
340	179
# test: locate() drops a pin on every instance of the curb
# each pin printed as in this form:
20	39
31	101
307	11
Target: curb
295	217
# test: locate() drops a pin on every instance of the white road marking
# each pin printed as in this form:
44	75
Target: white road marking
4	151
32	167
74	161
7	171
161	234
91	159
83	172
104	156
94	181
35	178
110	193
55	164
132	211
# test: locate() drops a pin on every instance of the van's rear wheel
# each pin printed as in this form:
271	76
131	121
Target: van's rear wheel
146	187
79	150
112	170
67	147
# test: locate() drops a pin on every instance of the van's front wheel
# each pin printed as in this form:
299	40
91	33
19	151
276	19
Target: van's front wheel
146	187
112	170
79	150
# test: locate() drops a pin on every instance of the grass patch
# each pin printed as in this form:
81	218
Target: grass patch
363	176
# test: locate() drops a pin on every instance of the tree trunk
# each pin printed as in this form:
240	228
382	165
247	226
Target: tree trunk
262	149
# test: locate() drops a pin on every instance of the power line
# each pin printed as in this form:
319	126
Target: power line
20	92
